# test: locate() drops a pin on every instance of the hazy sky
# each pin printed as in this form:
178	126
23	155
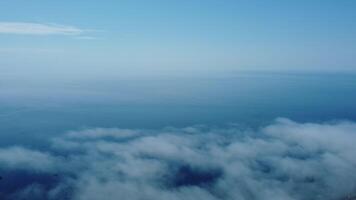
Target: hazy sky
114	37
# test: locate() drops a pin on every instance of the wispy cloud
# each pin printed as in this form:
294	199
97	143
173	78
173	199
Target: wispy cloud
87	38
24	28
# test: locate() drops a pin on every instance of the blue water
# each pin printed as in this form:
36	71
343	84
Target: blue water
31	110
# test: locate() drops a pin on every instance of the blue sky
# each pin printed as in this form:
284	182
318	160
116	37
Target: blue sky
113	37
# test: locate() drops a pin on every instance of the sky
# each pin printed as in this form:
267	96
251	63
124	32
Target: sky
79	38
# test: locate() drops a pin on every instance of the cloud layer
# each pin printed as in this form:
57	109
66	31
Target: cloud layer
23	28
283	161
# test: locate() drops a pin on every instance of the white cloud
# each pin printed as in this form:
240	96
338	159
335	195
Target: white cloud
21	158
24	28
283	161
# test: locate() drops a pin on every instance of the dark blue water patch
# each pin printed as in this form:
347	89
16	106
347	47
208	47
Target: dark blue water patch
187	175
36	184
15	180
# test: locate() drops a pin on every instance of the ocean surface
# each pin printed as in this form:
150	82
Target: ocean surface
30	110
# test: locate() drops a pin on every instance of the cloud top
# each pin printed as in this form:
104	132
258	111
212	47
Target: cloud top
24	28
283	161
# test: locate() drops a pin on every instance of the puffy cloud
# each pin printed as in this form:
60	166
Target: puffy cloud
26	159
284	161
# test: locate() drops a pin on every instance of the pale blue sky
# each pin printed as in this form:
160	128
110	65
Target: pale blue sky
117	37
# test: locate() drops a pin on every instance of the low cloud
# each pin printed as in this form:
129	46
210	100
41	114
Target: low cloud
102	133
283	161
24	28
15	158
